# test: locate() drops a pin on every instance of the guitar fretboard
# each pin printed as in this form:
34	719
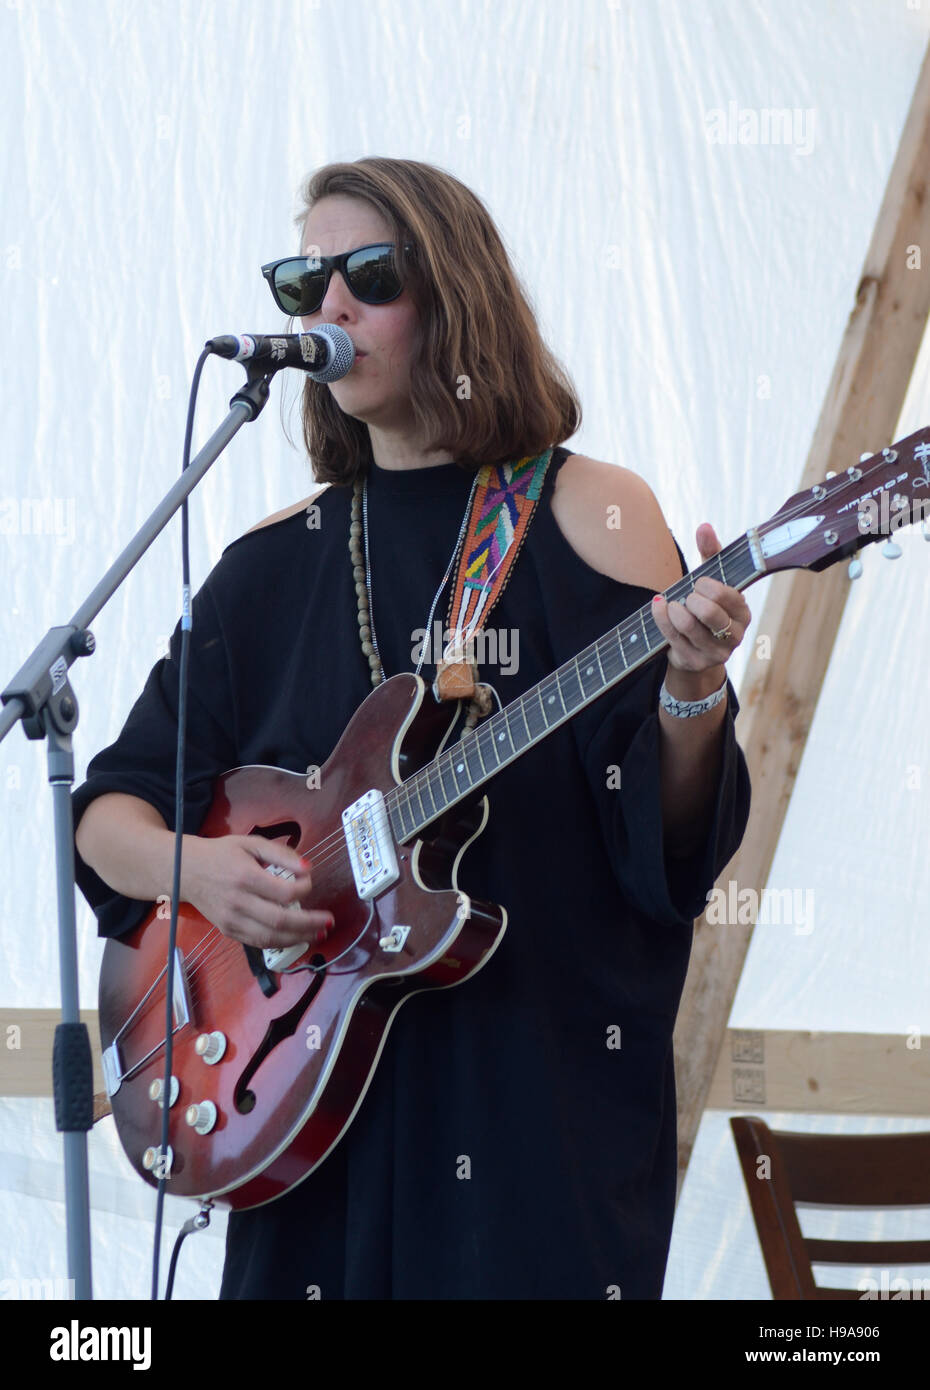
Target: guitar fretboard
504	736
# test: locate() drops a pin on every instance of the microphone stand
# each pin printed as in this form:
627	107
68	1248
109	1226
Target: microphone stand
41	696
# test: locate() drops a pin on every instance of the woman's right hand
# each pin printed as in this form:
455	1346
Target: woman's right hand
126	842
225	879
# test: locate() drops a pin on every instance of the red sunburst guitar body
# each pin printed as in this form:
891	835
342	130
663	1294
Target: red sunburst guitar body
295	1063
273	1056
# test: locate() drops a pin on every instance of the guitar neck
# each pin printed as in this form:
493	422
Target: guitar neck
505	736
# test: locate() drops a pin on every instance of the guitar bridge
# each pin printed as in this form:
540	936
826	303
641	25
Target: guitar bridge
370	843
112	1069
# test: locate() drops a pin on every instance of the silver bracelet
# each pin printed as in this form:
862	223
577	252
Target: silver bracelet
687	709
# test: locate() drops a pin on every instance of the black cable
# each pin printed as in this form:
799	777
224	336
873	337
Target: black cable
162	1170
195	1223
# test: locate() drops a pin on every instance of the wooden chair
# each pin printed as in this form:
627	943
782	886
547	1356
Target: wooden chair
833	1170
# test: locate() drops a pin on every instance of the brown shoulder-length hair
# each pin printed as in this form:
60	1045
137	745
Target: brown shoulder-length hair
484	385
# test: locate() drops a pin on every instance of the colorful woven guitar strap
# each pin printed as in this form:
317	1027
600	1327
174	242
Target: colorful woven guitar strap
502	507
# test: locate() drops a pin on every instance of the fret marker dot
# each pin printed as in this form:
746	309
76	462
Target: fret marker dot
634	637
460	768
589	671
500	738
551	700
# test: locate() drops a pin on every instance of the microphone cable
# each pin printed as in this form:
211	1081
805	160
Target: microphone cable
163	1167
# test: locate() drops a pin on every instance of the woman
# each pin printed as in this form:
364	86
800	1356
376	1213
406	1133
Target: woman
518	1137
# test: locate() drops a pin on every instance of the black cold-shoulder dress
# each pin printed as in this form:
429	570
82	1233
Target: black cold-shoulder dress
518	1139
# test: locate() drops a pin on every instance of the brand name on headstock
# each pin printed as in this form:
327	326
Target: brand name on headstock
864	496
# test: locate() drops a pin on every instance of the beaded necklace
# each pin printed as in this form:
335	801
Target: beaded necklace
361	573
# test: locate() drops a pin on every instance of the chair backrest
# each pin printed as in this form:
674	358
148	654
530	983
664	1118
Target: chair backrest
836	1170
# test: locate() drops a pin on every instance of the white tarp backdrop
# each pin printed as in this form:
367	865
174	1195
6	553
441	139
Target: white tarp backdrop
695	286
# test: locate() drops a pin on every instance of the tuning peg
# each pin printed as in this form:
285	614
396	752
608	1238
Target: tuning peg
854	568
891	550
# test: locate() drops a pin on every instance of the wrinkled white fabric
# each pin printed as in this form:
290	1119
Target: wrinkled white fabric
696	289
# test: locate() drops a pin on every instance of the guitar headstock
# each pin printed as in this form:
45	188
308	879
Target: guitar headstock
869	502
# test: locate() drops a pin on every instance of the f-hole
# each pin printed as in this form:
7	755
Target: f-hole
278	1029
287	830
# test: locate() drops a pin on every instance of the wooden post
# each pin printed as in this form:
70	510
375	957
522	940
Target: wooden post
802	611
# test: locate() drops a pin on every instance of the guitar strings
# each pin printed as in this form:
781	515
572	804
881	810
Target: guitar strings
212	944
333	846
685	584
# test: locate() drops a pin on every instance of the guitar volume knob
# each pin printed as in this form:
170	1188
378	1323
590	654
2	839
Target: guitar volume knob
201	1117
157	1090
211	1047
153	1159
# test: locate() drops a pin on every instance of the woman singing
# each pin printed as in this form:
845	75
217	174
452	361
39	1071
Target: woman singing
518	1136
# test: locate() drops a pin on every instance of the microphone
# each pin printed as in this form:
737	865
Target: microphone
325	354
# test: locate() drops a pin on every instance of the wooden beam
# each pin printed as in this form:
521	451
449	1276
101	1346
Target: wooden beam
826	1073
829	1073
802	611
26	1039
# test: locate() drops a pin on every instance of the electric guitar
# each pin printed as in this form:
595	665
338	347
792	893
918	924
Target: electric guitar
274	1050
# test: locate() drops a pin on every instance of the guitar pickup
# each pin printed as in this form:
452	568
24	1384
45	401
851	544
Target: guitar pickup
370	843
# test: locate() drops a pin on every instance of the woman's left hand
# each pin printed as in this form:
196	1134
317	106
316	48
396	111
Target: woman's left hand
711	608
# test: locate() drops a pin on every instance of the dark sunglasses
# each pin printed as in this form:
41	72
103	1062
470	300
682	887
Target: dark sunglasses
299	283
